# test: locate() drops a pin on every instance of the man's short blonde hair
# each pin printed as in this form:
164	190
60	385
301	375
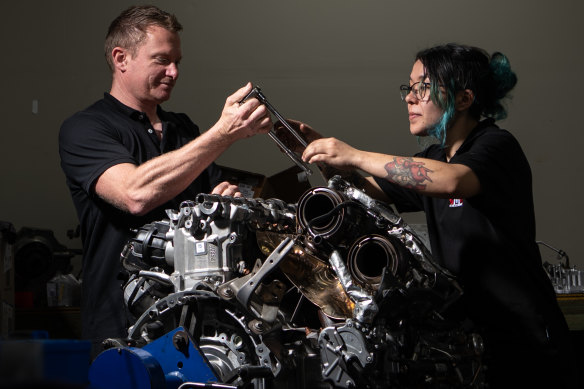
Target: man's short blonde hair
129	29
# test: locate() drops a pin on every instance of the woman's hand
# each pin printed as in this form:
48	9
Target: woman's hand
304	130
333	152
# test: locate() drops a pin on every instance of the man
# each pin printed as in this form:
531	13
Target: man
127	160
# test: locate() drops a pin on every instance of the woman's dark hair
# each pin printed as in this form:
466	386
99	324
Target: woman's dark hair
455	67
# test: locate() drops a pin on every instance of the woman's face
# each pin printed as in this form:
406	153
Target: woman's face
423	113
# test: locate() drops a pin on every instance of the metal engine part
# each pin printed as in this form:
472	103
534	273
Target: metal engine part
267	290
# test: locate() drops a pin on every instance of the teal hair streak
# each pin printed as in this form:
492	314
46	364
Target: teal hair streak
447	103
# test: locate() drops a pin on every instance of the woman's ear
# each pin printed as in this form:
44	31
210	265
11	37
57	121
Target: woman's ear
464	99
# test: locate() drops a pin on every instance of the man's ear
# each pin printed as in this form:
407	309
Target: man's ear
464	99
120	58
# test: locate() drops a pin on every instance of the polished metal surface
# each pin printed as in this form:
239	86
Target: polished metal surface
314	278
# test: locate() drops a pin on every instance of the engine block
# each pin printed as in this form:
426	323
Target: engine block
267	290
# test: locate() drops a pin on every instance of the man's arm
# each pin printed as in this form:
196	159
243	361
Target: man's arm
140	189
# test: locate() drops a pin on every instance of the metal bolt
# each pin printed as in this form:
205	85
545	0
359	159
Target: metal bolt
257	327
180	340
227	292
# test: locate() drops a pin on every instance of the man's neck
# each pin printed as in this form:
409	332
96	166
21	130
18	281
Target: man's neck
122	95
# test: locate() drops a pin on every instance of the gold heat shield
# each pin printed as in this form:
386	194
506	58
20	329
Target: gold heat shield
314	278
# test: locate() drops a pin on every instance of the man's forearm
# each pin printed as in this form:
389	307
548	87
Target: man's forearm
139	189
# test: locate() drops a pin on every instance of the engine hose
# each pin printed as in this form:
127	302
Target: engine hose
318	237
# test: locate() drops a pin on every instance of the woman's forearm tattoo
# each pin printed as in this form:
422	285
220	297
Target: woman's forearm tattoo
407	173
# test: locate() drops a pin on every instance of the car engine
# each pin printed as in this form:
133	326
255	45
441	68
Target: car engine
335	290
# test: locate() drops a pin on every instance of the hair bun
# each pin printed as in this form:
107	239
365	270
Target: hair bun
504	78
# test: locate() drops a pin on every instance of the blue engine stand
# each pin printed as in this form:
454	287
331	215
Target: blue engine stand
166	363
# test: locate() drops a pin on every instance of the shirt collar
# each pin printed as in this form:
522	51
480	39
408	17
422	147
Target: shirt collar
129	111
480	128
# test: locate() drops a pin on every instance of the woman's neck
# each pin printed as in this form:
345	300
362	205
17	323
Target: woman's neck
461	127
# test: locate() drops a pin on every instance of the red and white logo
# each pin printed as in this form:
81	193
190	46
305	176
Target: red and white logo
453	203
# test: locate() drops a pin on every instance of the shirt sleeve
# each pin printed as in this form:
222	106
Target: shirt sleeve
88	146
498	161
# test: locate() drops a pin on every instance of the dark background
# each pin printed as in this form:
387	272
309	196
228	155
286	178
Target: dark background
335	64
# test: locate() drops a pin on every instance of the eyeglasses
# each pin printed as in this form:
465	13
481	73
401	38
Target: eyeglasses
419	88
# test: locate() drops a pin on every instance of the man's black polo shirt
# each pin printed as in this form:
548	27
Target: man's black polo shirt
91	141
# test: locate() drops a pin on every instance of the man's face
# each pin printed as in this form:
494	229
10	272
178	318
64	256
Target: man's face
423	114
152	72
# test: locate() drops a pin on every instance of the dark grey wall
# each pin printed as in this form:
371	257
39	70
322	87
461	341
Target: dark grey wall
331	63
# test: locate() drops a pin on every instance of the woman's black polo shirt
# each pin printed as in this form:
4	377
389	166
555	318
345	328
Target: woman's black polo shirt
488	240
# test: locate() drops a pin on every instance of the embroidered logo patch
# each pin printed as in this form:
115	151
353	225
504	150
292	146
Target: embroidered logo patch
455	203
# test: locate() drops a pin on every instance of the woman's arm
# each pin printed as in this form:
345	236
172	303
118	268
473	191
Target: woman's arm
425	176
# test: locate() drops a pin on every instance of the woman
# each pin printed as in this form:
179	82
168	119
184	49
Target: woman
475	188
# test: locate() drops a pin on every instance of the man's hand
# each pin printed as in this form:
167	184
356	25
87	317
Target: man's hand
227	189
240	121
